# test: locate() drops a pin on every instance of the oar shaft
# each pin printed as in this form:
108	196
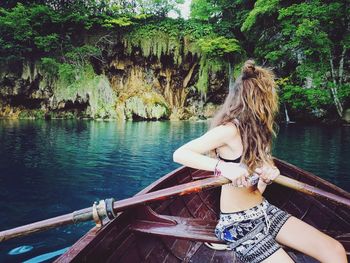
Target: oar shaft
311	190
43	225
86	214
183	189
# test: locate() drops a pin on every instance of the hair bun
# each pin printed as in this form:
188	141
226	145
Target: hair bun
248	69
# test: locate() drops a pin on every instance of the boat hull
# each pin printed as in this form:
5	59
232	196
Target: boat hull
174	230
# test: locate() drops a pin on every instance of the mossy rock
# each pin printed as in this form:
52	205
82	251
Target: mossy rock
138	108
32	114
181	114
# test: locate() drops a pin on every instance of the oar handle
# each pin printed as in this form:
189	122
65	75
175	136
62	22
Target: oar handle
311	190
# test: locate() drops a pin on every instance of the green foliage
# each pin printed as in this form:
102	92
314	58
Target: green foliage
207	67
31	114
299	39
159	8
219	46
83	82
68	74
80	55
203	10
46	43
304	25
261	8
312	100
177	38
50	66
15	32
157	38
215	50
344	92
302	99
118	22
34	30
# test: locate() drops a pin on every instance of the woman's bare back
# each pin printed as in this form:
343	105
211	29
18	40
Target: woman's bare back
236	198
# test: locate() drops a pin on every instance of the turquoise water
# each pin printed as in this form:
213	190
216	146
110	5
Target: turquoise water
53	167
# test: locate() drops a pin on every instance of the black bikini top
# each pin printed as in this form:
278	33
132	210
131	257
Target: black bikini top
237	160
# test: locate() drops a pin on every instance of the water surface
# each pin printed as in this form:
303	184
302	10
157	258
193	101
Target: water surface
48	168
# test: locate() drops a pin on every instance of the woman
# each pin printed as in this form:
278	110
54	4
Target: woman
241	136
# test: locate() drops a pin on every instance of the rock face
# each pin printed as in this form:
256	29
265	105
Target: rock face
137	108
126	87
21	90
152	88
29	93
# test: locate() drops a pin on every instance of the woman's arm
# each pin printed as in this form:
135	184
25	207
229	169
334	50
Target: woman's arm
192	153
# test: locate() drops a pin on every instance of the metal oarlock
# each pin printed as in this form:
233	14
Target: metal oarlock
109	208
102	209
96	210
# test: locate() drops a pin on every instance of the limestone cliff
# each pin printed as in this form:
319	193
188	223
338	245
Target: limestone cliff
126	84
28	92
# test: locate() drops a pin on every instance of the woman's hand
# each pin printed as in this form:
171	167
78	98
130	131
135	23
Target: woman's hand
267	173
234	172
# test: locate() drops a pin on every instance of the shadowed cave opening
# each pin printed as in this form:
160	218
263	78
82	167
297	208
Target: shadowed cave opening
23	100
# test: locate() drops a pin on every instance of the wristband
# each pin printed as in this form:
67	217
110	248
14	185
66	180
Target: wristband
217	171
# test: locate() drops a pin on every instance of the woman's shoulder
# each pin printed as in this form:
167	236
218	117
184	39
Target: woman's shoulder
228	129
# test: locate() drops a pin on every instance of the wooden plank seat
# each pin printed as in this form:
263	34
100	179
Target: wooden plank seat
184	228
149	222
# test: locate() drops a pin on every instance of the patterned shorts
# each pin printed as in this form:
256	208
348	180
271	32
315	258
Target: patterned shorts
251	233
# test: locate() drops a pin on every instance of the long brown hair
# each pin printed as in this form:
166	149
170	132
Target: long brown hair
254	103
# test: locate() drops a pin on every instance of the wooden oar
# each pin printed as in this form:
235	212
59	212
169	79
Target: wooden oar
89	214
311	190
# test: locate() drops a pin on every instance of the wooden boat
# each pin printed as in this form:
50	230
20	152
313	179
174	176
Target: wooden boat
175	230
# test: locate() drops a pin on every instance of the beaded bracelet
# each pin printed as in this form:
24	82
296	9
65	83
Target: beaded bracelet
217	171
